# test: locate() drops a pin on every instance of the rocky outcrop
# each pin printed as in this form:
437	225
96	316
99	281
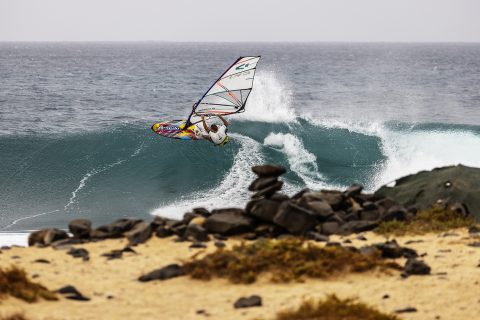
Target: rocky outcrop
453	186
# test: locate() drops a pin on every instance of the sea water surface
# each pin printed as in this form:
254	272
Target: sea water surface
75	138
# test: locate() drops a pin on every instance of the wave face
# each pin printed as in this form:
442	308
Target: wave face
102	162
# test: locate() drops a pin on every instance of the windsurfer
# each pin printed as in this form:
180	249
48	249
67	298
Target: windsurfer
217	134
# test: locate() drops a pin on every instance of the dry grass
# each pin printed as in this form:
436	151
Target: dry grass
285	260
431	220
14	282
333	308
16	316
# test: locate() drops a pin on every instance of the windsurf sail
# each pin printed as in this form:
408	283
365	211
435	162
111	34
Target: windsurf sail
229	94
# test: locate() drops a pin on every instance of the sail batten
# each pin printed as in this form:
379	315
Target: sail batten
229	93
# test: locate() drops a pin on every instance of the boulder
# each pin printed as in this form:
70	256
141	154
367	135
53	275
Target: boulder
167	272
329	228
370	215
321	209
268	191
395	212
268	170
450	184
279	197
247	302
79	253
354	190
201	211
197	233
357	226
115	229
80	228
189	216
416	267
229	222
139	234
263	209
71	293
45	237
294	218
262	183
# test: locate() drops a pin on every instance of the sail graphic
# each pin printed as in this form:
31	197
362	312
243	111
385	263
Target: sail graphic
229	94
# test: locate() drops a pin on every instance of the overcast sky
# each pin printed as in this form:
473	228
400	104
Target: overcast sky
246	20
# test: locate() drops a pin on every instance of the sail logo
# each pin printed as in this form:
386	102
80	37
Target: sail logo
242	66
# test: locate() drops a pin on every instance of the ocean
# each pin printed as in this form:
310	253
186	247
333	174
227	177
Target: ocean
75	138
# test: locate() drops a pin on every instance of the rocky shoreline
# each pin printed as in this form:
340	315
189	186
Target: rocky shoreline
107	265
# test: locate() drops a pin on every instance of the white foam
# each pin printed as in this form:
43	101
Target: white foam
301	161
14	238
410	152
269	101
232	190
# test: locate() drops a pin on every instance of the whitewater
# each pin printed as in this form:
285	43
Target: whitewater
85	149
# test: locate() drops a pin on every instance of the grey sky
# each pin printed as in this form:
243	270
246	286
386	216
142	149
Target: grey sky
247	20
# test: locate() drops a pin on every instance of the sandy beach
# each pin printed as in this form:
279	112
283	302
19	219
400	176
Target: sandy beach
450	292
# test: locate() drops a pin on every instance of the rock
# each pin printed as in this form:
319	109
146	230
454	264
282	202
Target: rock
79	253
368	205
396	212
117	254
406	310
334	198
196	233
80	228
385	203
268	170
115	229
475	244
371	215
250	236
474	230
294	218
163	232
353	190
262	183
458	184
329	228
42	261
357	226
355	206
167	272
68	242
300	194
247	302
268	191
46	236
263	209
279	197
219	244
316	236
201	211
189	216
390	249
198	221
140	233
229	222
459	208
198	245
321	209
416	267
70	292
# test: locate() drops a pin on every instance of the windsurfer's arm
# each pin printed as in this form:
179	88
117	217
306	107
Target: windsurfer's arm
225	122
205	126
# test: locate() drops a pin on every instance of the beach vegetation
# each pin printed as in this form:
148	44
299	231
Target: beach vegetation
14	282
285	260
333	308
432	220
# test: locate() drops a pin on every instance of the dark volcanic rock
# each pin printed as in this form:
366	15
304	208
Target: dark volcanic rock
247	302
262	183
168	272
79	253
42	261
46	236
406	310
70	292
269	170
115	229
263	209
140	233
334	198
201	211
416	267
196	233
321	209
358	226
80	228
316	236
163	232
453	184
294	218
396	212
229	222
268	191
353	190
279	197
329	228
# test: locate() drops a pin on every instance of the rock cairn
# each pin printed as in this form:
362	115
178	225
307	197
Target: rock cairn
269	214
